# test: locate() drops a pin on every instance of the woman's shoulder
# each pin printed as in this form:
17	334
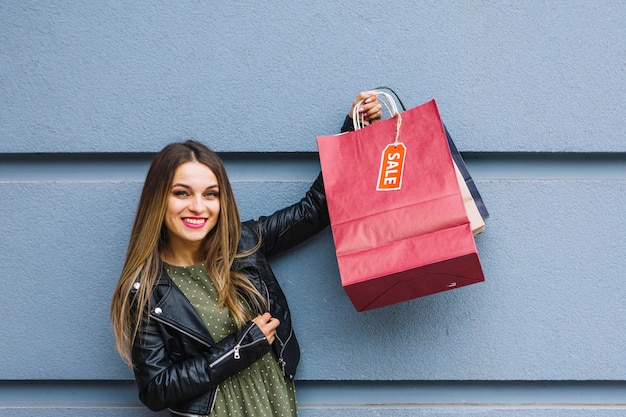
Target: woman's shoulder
250	227
250	234
159	278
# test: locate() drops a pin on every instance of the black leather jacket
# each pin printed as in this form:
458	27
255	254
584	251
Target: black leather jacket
177	363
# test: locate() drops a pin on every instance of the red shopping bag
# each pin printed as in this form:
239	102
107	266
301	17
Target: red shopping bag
397	214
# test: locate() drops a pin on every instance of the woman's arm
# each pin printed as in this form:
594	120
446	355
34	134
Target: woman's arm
165	380
293	225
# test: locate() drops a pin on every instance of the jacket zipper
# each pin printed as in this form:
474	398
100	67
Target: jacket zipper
186	333
267	291
178	413
283	345
235	350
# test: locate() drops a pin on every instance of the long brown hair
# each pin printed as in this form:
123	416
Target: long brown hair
149	236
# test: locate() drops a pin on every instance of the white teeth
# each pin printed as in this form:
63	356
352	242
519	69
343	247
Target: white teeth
194	221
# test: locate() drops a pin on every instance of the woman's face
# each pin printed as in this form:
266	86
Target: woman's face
193	205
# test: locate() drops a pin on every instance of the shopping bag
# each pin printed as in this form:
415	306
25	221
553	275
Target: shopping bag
397	214
469	181
475	212
477	224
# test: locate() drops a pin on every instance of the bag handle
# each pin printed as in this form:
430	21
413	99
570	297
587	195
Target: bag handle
358	121
385	98
394	94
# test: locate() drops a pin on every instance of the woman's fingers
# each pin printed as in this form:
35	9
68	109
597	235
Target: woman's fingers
369	107
268	325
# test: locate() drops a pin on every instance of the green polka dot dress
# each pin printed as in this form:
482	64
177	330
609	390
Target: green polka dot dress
258	391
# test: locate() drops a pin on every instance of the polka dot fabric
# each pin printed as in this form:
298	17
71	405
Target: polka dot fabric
258	391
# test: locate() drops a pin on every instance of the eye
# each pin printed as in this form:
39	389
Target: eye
212	194
180	193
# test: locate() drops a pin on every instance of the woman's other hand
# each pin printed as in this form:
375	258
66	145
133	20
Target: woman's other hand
268	325
371	109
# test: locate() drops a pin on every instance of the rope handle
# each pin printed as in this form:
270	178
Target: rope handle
394	94
358	121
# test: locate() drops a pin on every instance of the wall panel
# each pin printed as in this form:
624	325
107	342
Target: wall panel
533	93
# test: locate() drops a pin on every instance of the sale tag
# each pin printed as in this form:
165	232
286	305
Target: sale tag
391	167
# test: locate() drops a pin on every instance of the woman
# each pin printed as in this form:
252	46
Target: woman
197	311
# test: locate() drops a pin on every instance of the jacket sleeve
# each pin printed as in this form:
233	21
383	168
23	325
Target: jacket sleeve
293	225
348	126
165	381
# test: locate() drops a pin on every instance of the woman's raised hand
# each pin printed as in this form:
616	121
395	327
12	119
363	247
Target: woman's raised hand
371	109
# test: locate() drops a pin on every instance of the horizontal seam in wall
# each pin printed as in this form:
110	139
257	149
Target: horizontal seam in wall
295	167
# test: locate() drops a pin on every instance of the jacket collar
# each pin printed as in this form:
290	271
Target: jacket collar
170	306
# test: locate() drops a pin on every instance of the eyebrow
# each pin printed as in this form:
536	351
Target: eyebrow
179	184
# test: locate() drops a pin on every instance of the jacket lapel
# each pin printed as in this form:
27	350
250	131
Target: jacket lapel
172	307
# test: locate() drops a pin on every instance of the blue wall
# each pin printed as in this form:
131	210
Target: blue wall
533	92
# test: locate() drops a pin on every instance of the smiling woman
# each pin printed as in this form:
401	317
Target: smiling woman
193	208
197	311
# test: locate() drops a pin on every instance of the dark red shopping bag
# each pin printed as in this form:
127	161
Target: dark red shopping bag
397	214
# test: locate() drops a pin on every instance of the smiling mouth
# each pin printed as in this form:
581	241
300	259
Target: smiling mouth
194	222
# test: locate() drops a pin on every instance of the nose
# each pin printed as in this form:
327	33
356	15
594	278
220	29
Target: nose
196	205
